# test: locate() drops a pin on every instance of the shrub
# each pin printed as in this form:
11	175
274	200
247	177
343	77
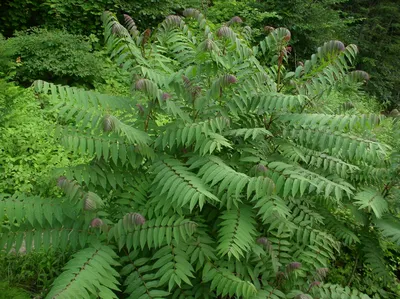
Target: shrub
216	178
57	56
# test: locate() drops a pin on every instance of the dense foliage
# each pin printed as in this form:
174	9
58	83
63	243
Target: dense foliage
222	175
377	32
81	17
52	55
311	24
372	25
28	151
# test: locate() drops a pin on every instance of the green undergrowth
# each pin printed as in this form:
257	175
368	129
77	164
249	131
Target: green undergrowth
28	149
7	292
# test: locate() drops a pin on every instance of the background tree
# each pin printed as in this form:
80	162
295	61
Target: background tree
373	25
79	17
82	17
377	32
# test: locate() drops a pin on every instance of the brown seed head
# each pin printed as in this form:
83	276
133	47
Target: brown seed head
117	29
322	272
293	266
89	204
165	96
208	45
340	46
261	168
138	219
224	31
96	222
191	12
230	79
361	74
288	36
173	20
315	283
128	18
108	124
61	181
140	84
263	241
269	28
235	20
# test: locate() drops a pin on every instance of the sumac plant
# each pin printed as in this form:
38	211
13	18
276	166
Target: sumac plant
217	178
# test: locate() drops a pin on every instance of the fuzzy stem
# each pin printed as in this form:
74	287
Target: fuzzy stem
353	272
146	122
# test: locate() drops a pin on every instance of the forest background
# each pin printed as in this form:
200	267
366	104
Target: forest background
372	25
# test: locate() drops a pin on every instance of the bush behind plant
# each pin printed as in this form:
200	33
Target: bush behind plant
55	55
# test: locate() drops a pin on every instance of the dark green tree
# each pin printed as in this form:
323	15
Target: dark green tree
377	32
83	16
77	16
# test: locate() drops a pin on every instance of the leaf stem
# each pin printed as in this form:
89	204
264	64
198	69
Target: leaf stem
353	272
